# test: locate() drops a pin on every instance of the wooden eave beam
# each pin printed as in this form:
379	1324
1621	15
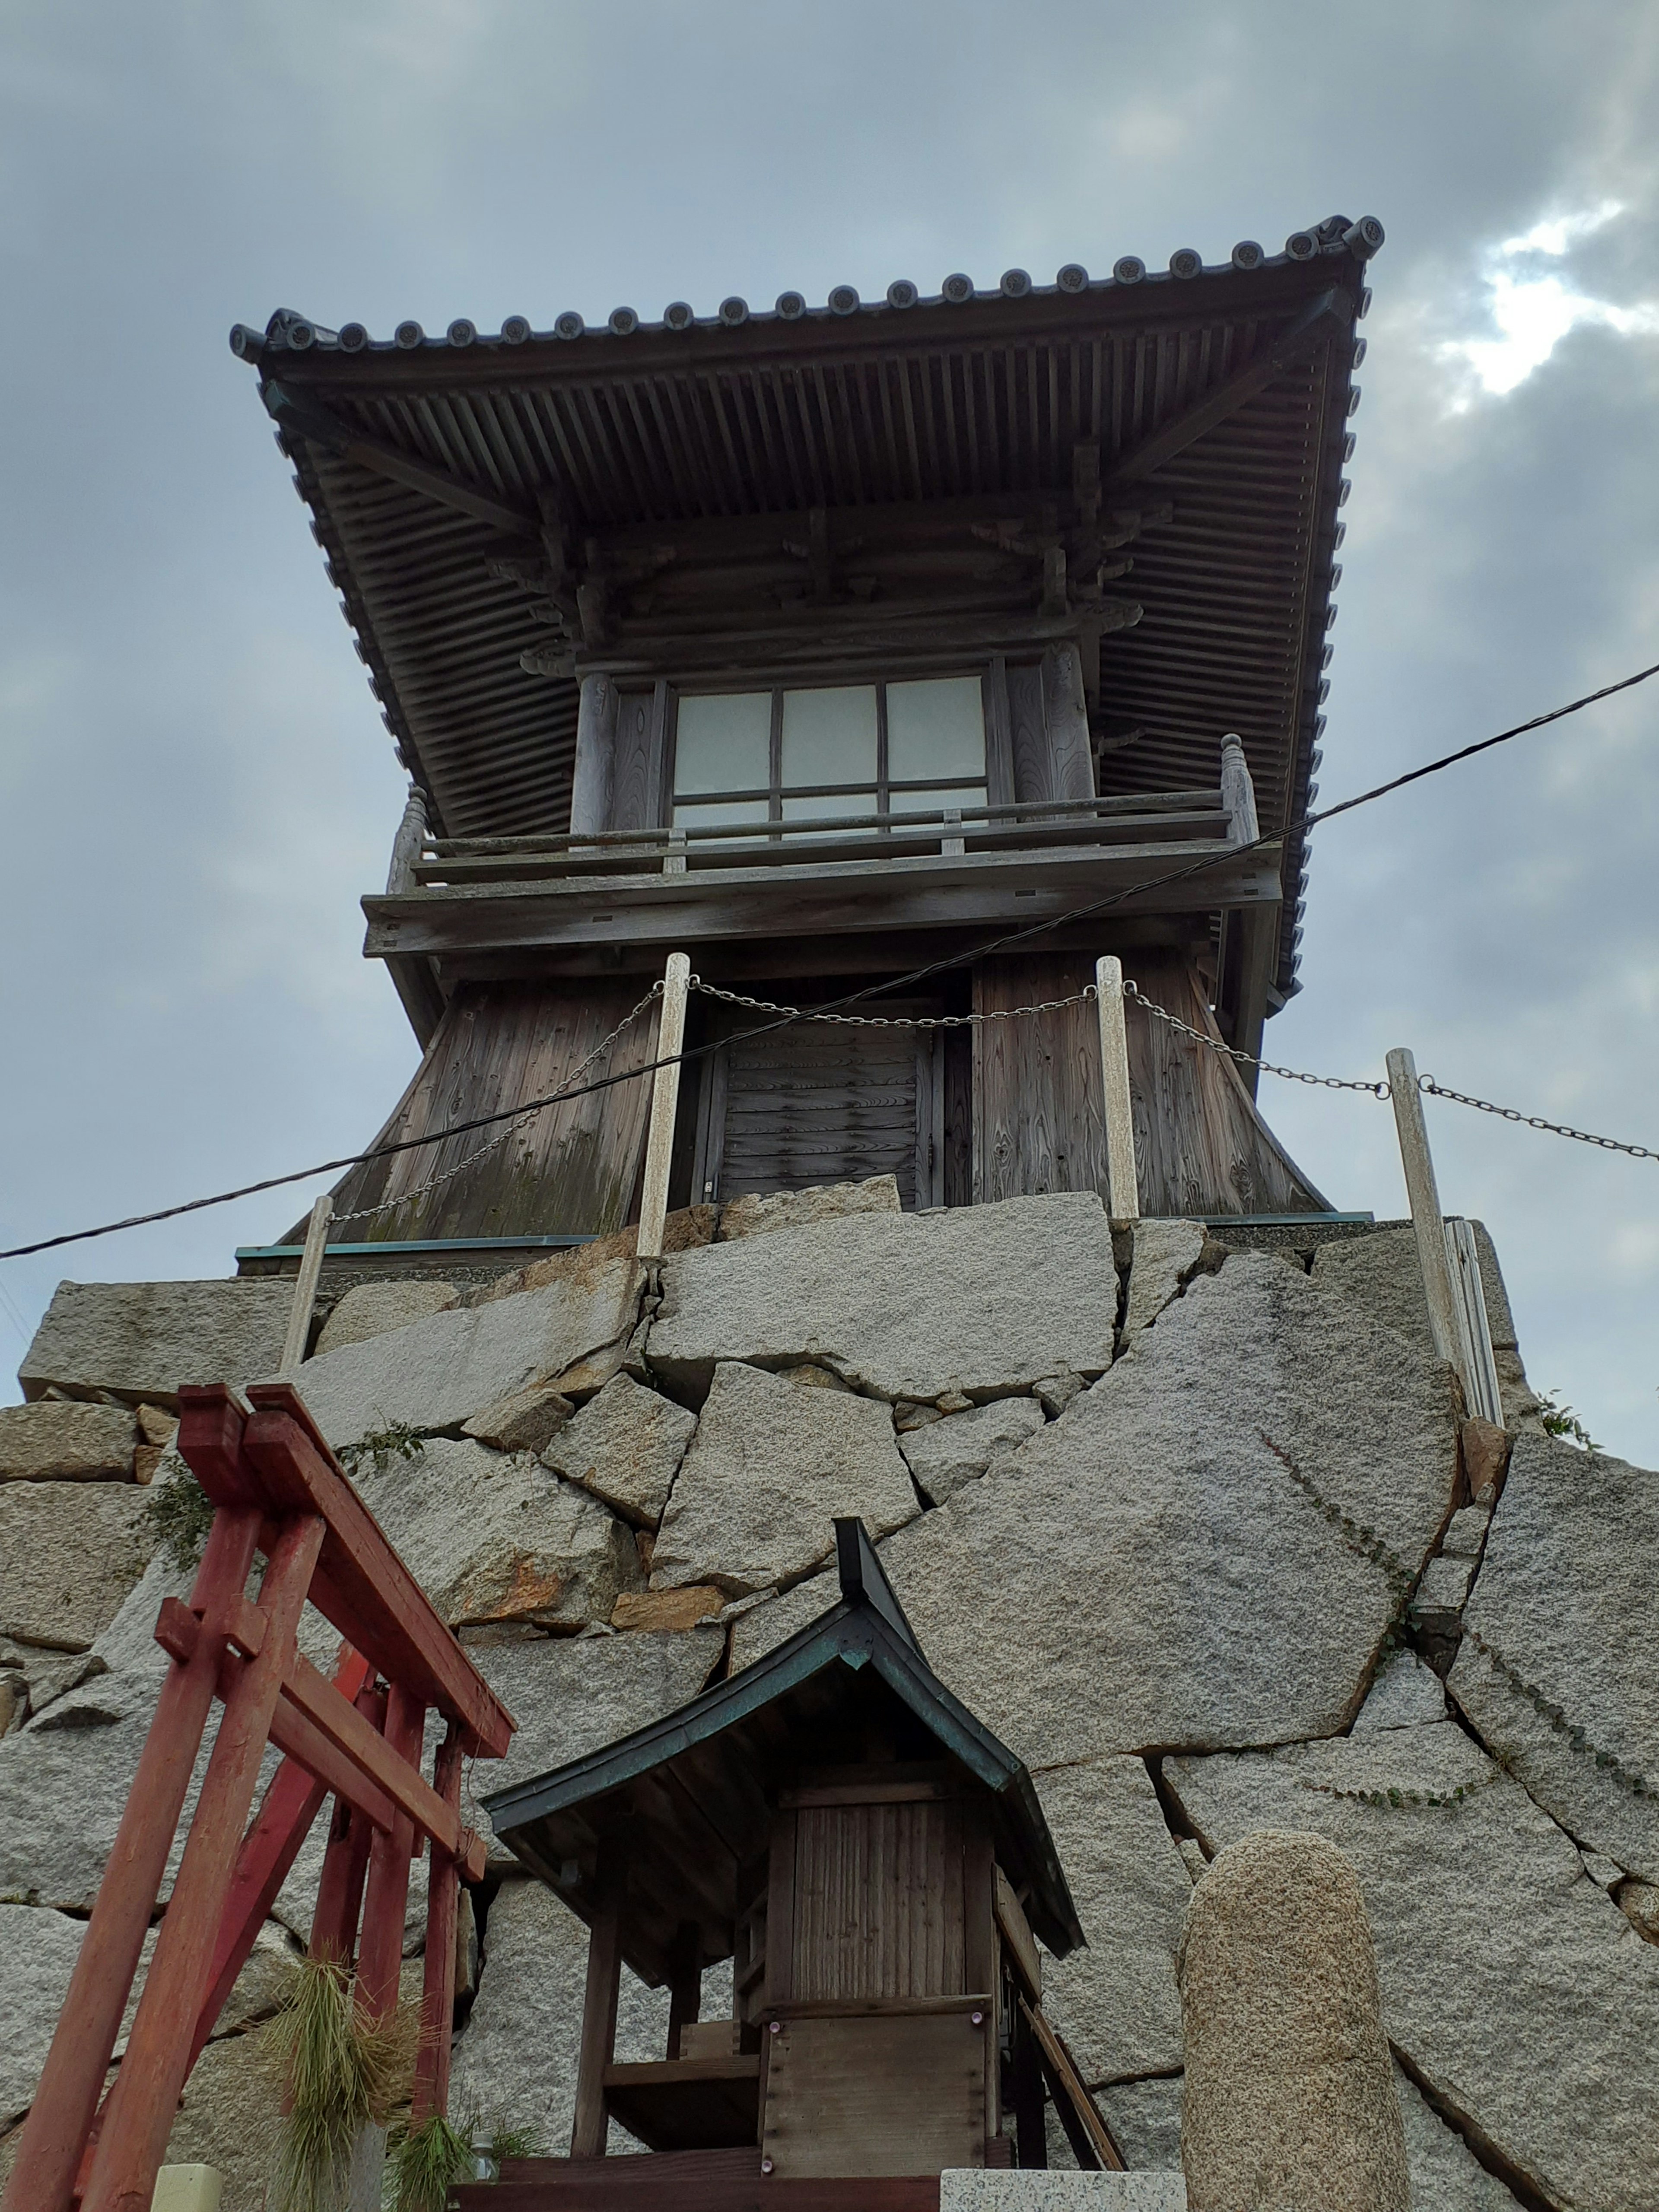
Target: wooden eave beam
1319	320
308	418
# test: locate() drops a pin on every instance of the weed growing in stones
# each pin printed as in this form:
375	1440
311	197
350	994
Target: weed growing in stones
180	1512
381	1446
1561	1421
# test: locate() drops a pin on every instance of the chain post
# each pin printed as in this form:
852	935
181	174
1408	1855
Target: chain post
1115	1074
664	1096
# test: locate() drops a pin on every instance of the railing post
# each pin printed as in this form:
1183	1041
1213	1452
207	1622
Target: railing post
408	844
1424	1198
664	1094
305	1288
1121	1180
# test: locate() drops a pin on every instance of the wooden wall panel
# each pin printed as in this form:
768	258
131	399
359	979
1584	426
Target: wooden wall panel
570	1171
1070	756
637	779
878	1901
1201	1148
876	2095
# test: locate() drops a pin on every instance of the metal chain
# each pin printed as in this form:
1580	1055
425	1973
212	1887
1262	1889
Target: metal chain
1132	990
1430	1088
432	1182
891	1021
1084	996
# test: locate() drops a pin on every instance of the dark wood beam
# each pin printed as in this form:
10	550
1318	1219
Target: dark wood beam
1319	320
308	419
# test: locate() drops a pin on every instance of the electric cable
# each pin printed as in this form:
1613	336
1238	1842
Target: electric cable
1305	821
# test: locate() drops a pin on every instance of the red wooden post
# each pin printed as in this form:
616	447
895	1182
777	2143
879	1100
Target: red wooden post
55	2132
380	1952
133	2139
438	1989
345	1862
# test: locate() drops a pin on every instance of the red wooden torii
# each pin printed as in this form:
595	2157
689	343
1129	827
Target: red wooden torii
276	1489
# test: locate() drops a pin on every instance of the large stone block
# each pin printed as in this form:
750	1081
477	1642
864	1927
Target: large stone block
437	1373
376	1309
70	1552
493	1536
959	1450
1381	1269
1511	1983
1145	2118
625	1446
1168	1562
571	1695
39	1948
1446	2176
985	2190
1289	2103
1559	1669
982	1299
772	1464
794	1209
1115	2002
52	1442
1166	1254
141	1340
516	2062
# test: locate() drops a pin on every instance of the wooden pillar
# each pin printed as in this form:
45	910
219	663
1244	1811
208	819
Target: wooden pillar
1423	1198
981	1966
596	742
438	1986
591	2125
1125	1201
305	1287
139	2117
684	1983
664	1094
1256	926
60	2119
380	1952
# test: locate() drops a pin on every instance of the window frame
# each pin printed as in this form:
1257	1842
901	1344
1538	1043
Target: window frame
777	791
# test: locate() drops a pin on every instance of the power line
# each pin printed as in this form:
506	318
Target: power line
1304	821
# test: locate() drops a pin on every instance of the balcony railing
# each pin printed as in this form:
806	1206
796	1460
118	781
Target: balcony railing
935	865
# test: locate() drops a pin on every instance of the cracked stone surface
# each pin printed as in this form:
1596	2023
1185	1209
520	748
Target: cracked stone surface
376	1309
1405	1694
493	1536
1565	1601
1165	1254
1145	2118
141	1340
773	1462
70	1552
625	1446
1513	1986
981	1300
1167	1570
516	2059
944	1454
437	1372
1115	2002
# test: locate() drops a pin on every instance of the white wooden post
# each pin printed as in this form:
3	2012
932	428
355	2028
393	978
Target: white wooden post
305	1286
408	845
1423	1198
664	1094
1121	1175
1480	1384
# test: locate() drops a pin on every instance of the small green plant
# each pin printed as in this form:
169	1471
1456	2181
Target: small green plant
1560	1420
423	2162
380	1447
341	2074
180	1512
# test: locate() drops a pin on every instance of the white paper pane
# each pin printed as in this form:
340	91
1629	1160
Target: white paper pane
834	808
922	802
722	814
936	728
723	741
830	736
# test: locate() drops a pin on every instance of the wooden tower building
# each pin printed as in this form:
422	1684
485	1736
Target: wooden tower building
824	645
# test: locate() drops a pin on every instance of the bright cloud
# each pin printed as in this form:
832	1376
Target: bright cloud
1534	306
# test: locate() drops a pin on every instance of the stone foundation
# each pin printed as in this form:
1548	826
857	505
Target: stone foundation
1186	1516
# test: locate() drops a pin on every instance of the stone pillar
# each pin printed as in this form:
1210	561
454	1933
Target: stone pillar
1289	2103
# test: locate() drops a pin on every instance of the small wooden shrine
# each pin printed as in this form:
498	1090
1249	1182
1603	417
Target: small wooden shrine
825	644
877	1868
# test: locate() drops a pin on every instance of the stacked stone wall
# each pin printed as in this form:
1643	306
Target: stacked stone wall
1189	1521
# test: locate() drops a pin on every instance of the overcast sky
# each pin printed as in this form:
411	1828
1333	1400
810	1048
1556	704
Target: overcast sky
197	785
